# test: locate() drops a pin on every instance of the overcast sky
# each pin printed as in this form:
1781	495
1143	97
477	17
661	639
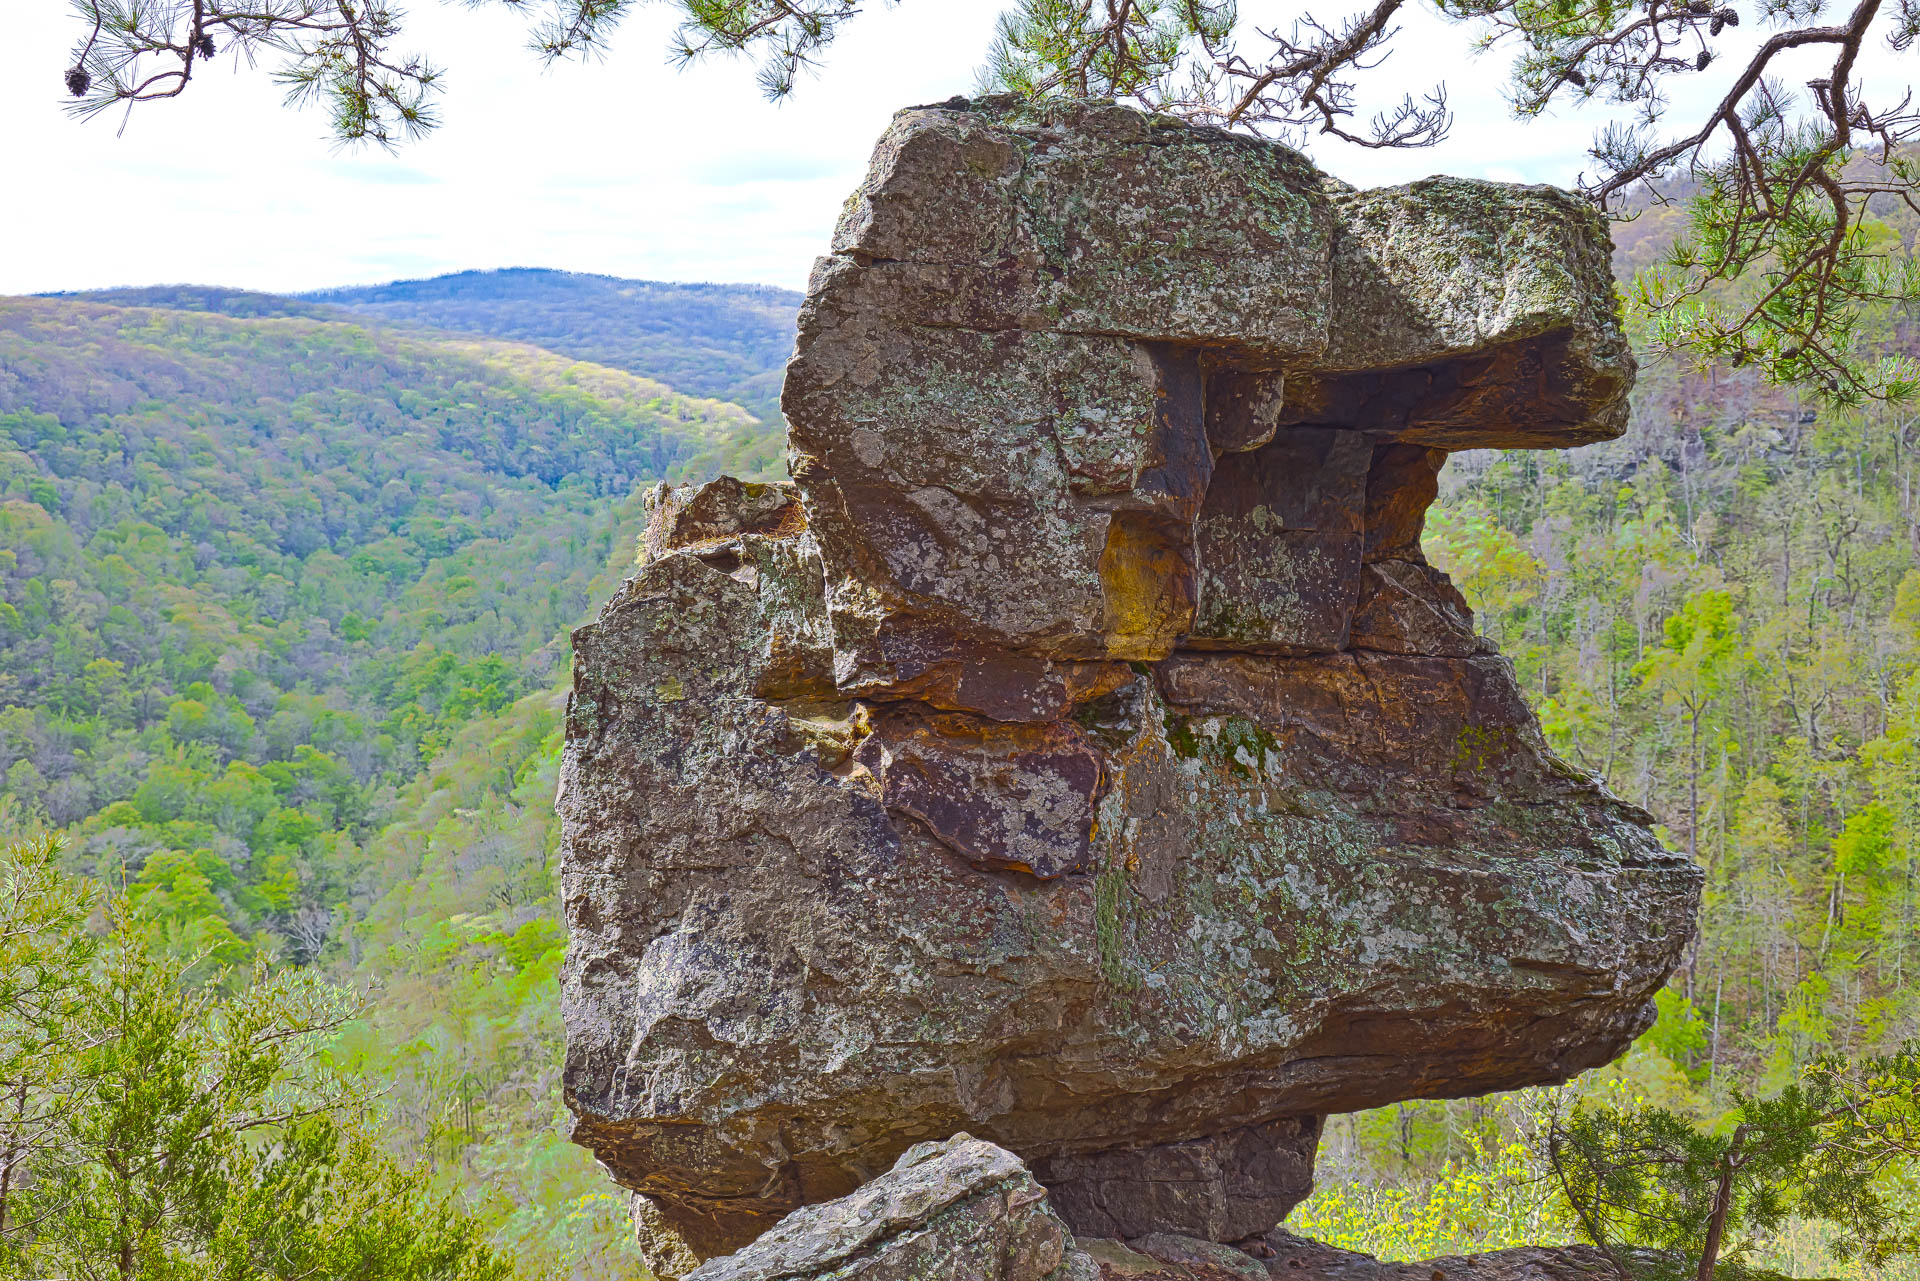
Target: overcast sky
626	166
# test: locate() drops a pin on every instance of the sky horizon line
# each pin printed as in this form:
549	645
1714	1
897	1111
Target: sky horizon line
400	280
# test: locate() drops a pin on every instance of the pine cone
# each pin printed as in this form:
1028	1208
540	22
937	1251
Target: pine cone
1700	63
1730	17
205	45
1577	77
78	81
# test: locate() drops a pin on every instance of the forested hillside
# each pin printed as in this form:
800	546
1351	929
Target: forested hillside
283	607
728	341
1720	613
283	612
277	506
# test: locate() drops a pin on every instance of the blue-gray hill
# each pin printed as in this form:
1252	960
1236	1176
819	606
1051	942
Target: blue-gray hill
725	341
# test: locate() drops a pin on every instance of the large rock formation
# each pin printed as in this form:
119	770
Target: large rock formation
1080	751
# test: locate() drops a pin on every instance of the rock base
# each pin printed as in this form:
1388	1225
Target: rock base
1300	1259
967	1210
961	1209
1221	1188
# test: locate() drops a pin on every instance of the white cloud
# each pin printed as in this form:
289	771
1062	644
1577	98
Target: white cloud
624	166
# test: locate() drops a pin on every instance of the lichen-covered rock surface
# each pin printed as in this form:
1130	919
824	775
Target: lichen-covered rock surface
1080	752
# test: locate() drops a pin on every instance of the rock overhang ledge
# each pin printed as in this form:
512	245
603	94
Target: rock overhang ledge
1241	247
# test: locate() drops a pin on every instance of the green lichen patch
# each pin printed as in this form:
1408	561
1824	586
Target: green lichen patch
1110	893
1245	747
1180	735
1478	748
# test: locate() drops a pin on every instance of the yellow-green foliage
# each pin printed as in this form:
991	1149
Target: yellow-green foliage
1485	1201
465	1040
165	1121
1424	1180
278	655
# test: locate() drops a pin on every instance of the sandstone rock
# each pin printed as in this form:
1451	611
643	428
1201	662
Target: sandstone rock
1163	1256
1086	756
1221	1188
1402	482
1279	544
1409	607
962	1209
1037	320
687	515
1001	795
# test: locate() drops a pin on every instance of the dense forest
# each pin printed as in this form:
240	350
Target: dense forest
728	341
284	595
283	612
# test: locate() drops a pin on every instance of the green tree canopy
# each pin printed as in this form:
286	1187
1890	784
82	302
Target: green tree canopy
154	1127
1835	1146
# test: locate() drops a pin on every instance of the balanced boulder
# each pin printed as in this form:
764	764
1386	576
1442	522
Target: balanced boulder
1080	751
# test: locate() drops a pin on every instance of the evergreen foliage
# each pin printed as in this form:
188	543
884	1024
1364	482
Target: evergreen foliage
162	1127
1822	1148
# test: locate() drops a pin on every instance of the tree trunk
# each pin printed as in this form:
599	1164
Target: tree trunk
12	1154
1713	1046
1693	784
1722	1203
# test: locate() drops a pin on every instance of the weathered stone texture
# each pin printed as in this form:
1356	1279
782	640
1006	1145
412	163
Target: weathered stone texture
962	1210
1006	380
1082	753
1163	1256
1279	544
689	515
1221	1188
1290	1258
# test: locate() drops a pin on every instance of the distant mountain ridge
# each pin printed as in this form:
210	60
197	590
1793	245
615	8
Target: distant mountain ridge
241	304
730	342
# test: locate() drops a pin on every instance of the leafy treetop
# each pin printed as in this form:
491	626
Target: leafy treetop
1835	1146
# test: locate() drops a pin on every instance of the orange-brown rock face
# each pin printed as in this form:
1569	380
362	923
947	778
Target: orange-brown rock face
1081	752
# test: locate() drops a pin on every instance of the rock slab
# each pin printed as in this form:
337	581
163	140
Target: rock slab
961	1210
1080	750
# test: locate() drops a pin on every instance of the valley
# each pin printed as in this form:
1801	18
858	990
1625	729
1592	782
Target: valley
285	589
